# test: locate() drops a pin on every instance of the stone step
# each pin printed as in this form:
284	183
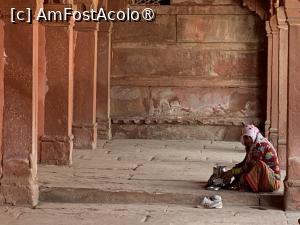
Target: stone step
98	195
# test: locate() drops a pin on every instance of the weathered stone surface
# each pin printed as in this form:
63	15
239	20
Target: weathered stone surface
269	80
41	85
198	102
136	105
177	131
85	84
103	80
173	60
19	137
104	129
84	77
162	29
187	82
136	214
292	190
204	102
56	152
59	94
198	28
283	85
129	101
85	137
275	82
159	74
57	73
146	171
2	60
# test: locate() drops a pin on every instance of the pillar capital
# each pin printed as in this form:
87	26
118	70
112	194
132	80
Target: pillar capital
281	18
268	28
274	25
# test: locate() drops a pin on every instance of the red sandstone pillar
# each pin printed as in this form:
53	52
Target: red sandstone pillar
103	80
292	182
19	141
1	87
274	83
85	81
283	76
269	80
57	141
41	86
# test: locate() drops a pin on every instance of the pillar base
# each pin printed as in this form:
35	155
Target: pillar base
104	129
282	153
56	150
85	136
18	194
292	195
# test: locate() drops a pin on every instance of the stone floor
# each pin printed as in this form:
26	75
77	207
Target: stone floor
145	181
146	171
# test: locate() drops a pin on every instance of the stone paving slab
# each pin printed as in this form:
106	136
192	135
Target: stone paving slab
118	214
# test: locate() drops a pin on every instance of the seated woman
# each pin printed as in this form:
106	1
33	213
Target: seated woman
259	171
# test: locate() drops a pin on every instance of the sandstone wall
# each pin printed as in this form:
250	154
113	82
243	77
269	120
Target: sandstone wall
197	71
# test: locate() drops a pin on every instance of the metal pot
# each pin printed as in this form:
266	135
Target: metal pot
219	170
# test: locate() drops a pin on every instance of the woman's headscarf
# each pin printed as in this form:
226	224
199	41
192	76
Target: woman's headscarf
253	132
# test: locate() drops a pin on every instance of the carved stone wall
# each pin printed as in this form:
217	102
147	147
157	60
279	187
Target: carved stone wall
194	67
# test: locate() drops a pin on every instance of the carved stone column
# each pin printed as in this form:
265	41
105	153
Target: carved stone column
274	82
19	47
283	76
85	84
103	80
57	141
292	182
